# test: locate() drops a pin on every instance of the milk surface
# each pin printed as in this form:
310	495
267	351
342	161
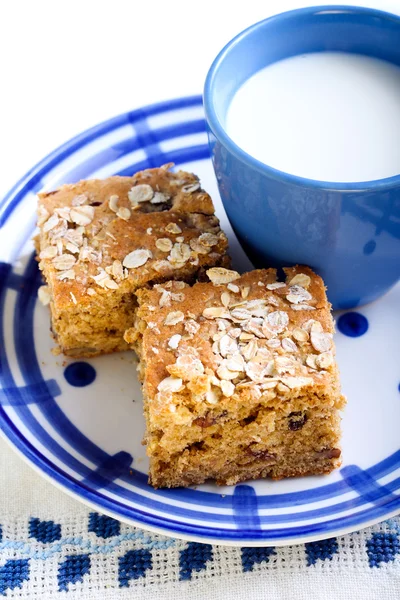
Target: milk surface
330	116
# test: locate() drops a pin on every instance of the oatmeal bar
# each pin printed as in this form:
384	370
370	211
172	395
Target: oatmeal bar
101	240
239	378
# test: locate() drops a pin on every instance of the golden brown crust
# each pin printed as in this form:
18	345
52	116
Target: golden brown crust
194	300
215	354
100	240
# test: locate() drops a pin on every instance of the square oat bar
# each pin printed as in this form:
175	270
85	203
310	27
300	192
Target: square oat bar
101	240
239	378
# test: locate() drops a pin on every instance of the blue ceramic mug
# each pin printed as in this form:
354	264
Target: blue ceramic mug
348	232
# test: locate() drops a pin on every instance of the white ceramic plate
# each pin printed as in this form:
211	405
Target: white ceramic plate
81	424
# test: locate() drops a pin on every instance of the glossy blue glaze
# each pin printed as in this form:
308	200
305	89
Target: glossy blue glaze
348	232
80	374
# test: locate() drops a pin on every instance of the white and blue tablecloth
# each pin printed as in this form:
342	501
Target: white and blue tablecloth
51	546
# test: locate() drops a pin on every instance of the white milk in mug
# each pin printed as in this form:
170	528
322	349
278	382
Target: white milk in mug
329	116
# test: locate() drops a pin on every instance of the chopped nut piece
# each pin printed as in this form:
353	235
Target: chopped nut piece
308	324
49	252
192	326
297	295
300	279
296	382
170	384
214	312
192	187
71	248
180	253
224	373
51	223
240	314
44	294
300	335
173	228
82	215
174	317
64	262
256	371
273	343
140	193
113	203
208	239
117	270
284	364
101	277
322	342
235	332
276	285
159	198
324	360
75	236
227	345
227	388
219	275
43	215
162	266
164	244
137	258
69	274
225	298
233	288
110	284
197	247
269	385
302	307
165	298
79	200
211	397
173	341
59	230
64	212
187	366
250	350
277	321
281	387
288	345
311	361
235	363
124	213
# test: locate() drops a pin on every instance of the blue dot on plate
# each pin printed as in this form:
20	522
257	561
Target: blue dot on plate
80	374
369	247
352	324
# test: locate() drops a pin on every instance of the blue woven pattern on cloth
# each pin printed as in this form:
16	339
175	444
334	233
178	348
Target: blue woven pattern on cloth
73	553
72	569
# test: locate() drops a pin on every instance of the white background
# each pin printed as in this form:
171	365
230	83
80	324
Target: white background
67	65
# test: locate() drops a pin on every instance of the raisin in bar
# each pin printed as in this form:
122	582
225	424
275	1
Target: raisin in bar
239	378
101	240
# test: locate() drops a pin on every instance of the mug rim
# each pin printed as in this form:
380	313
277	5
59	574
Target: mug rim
219	130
